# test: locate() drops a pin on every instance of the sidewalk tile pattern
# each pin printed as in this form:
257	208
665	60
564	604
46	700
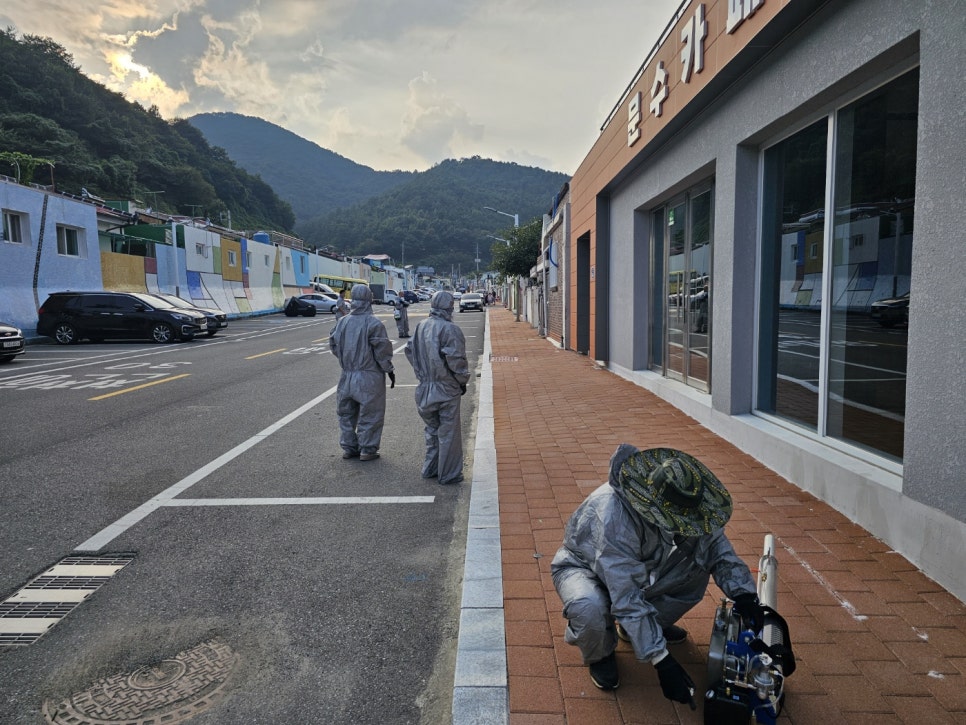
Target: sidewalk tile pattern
875	640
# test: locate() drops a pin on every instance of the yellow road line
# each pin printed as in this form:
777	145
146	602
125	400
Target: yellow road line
263	354
139	387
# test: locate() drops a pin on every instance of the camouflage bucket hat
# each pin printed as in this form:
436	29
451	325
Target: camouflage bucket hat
675	491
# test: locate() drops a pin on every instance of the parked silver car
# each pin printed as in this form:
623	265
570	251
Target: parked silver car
321	302
11	342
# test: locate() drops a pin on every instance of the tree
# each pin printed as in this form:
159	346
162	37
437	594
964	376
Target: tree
518	257
24	163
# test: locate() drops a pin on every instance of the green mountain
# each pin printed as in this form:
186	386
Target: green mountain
432	218
438	218
96	140
312	179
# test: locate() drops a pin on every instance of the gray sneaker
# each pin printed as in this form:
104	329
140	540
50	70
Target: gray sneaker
368	456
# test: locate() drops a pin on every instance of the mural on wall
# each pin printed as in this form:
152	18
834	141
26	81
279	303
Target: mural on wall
115	250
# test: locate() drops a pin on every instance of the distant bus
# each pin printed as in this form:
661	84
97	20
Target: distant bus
339	285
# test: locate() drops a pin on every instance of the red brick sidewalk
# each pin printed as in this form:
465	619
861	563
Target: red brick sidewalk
875	640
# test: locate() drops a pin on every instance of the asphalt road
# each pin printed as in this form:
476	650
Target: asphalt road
333	586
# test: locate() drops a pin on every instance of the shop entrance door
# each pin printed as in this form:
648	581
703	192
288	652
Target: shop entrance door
687	287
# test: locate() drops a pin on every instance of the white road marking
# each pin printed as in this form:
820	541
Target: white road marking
112	531
341	500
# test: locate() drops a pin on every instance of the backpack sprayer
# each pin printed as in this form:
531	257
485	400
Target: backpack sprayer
747	668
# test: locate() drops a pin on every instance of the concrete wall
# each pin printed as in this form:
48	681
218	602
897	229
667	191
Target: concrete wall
843	50
241	276
33	268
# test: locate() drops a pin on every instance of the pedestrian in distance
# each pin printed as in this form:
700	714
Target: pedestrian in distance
401	315
437	352
342	308
638	553
361	344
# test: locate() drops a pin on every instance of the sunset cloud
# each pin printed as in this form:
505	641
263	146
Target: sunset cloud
387	84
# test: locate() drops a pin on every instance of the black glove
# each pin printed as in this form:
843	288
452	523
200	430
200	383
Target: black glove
676	683
749	609
392	380
462	390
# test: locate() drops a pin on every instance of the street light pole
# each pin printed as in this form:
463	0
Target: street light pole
516	225
515	217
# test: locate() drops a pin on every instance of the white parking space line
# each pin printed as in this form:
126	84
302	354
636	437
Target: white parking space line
310	501
111	532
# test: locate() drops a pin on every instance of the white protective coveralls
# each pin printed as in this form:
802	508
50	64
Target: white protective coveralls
437	352
402	322
616	565
361	344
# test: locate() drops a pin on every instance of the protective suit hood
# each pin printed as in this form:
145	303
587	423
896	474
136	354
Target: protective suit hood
361	299
442	305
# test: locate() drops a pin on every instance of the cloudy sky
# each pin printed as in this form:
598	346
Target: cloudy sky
390	84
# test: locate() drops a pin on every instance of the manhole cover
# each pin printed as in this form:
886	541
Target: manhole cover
171	691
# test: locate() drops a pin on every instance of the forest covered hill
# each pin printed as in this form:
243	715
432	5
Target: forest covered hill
439	219
312	179
431	218
95	139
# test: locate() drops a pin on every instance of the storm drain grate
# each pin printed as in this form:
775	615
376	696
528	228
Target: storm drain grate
48	598
504	358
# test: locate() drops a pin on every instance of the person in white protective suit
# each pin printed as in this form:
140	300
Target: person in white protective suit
401	315
361	344
638	553
437	352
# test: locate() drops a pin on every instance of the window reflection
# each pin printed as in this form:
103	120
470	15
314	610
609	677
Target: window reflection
875	190
793	252
861	398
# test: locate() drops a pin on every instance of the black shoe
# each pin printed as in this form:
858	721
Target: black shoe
622	633
674	634
604	673
368	456
350	454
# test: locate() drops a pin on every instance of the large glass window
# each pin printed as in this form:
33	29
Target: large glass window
834	315
793	245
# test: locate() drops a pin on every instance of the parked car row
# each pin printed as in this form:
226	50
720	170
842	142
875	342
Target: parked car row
69	317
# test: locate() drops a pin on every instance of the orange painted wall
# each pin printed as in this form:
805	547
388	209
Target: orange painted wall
611	153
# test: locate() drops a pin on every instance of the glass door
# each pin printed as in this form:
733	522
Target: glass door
676	266
686	281
698	306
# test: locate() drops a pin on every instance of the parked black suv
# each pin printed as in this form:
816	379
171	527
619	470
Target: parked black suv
70	316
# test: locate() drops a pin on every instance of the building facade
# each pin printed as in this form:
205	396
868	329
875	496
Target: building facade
764	236
52	242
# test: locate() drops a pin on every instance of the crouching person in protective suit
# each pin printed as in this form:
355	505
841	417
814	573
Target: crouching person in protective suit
638	553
